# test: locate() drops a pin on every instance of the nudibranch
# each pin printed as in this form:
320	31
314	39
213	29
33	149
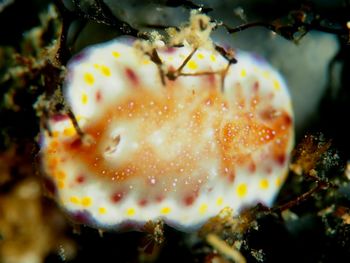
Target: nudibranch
176	149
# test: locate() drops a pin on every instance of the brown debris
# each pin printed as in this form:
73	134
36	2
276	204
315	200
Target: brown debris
307	155
30	227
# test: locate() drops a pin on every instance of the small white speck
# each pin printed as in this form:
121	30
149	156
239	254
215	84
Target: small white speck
62	253
153	181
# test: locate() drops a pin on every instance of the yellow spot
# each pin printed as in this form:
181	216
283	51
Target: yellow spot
60	184
203	208
243	73
96	66
212	57
219	201
192	65
86	201
200	56
276	84
60	175
69	131
55	134
102	210
266	74
146	61
165	210
242	190
89	78
115	54
278	182
74	200
264	184
84	98
131	212
106	71
170	58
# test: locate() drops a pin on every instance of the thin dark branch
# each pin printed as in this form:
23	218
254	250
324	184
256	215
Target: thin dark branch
239	28
320	185
186	60
203	73
159	27
102	14
288	30
75	123
156	60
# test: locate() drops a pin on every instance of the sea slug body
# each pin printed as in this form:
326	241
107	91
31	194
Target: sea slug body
178	149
